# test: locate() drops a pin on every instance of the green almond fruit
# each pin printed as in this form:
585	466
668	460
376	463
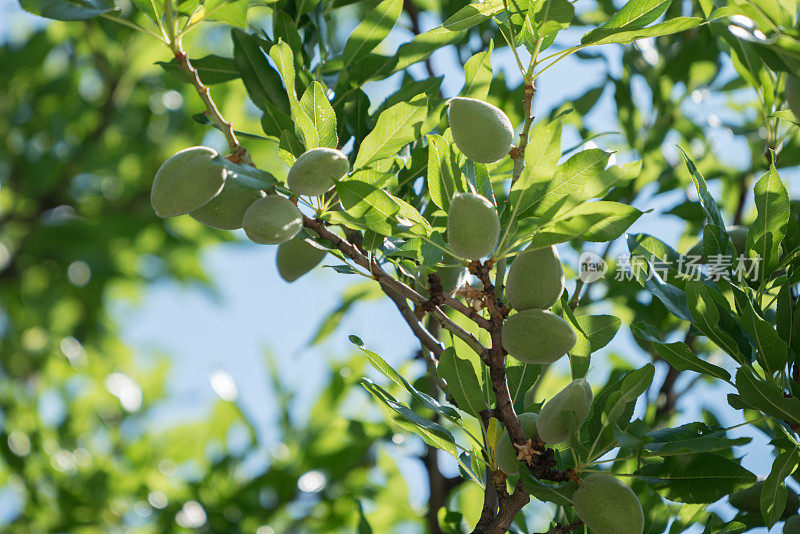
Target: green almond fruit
793	94
537	336
186	181
226	210
272	220
608	506
535	279
473	226
316	171
792	525
482	132
297	257
506	453
749	500
564	414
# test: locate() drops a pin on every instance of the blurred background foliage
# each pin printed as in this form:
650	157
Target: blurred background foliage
87	119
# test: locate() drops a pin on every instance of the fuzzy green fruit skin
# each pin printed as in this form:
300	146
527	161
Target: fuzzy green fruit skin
749	500
792	525
297	257
608	506
535	279
793	95
472	226
564	414
506	453
226	210
537	336
316	171
186	181
272	220
482	132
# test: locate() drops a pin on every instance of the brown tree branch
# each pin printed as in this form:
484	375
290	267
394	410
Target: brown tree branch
386	280
427	339
239	154
509	510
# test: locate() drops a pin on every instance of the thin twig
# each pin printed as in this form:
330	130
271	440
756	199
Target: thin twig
239	154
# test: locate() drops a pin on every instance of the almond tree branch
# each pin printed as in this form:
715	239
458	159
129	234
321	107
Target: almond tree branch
386	280
239	154
425	337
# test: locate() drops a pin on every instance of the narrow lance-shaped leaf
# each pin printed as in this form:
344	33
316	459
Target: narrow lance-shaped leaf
772	351
678	354
395	128
379	21
766	396
633	15
599	221
767	231
281	53
696	478
478	74
389	372
67	9
441	177
462	382
319	110
773	493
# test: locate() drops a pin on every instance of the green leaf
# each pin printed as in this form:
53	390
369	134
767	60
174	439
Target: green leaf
541	158
478	74
634	15
707	317
598	221
691	438
766	396
560	494
319	110
369	204
462	382
67	9
521	377
262	82
669	27
549	17
233	13
432	433
678	354
767	231
281	53
706	198
379	20
773	493
673	298
389	372
696	478
395	128
771	351
594	332
443	172
581	177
